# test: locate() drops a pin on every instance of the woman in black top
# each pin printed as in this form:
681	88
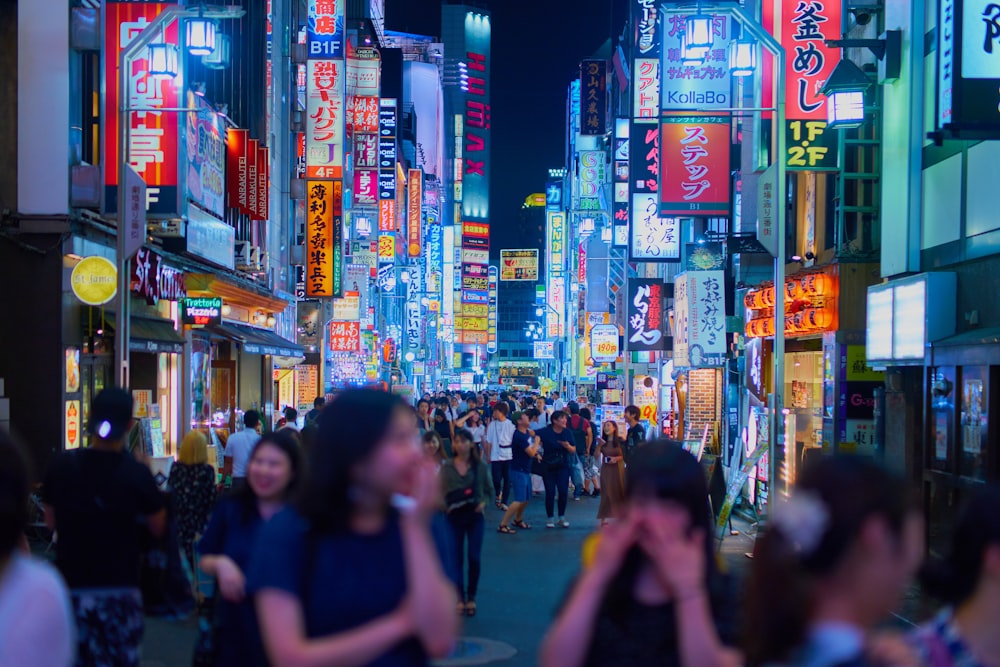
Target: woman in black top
654	594
192	483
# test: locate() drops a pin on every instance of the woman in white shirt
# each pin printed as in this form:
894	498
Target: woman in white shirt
36	620
474	424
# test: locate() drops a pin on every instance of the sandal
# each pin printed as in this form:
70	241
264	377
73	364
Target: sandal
470	608
506	530
521	524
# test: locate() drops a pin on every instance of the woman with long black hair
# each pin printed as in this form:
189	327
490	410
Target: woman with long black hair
351	575
273	473
653	593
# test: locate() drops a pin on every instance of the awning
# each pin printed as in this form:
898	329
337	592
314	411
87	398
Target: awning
149	335
258	341
976	347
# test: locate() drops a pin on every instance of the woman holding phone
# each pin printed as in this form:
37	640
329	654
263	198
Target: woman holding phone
612	473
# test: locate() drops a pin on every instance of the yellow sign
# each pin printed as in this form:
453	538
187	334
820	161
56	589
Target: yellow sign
475	309
319	239
858	369
465	323
536	200
94	281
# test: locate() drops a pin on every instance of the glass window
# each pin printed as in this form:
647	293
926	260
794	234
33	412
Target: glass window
972	430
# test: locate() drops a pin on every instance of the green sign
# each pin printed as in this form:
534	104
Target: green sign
201	311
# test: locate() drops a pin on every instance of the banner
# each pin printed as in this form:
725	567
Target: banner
319	239
153	136
262	184
646	317
519	265
695	171
325	119
700	319
414	210
237	175
593	97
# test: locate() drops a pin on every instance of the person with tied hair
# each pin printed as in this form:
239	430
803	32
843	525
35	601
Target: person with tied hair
833	564
192	483
965	633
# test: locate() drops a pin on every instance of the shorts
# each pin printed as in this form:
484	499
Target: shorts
520	486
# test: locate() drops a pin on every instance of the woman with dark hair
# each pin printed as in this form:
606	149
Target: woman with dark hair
467	489
833	564
273	473
445	430
36	618
351	576
968	580
612	472
652	594
433	448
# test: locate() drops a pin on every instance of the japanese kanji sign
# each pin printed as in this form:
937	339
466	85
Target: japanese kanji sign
326	28
153	135
519	264
695	165
653	238
699	319
593	97
703	87
345	336
325	114
647	19
414	209
805	27
646	321
321	252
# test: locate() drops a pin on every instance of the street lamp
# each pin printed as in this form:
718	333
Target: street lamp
200	36
163	60
742	57
698	31
845	95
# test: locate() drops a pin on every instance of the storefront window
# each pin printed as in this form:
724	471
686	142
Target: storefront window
804	400
972	433
942	418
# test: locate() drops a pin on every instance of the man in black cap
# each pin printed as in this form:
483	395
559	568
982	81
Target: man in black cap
94	500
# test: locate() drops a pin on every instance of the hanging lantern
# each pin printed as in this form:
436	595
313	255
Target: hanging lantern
200	36
163	60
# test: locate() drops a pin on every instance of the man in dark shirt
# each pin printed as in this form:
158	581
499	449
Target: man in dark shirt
313	414
636	434
524	447
94	500
558	445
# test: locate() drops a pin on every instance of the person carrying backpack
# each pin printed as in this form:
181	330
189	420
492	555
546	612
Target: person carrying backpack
583	438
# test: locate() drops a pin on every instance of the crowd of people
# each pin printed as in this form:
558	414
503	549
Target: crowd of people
357	545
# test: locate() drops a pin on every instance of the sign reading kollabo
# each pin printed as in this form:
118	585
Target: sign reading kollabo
201	311
968	77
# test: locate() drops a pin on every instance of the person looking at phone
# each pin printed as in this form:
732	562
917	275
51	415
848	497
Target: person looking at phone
557	445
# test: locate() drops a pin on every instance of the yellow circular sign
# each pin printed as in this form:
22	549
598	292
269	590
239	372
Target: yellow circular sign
94	281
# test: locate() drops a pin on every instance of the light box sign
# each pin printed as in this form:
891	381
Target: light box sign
477	117
905	315
519	265
654	238
646	317
557	299
206	156
325	28
968	69
319	239
201	311
153	135
414	208
704	86
325	119
604	343
491	330
545	349
700	319
556	240
695	171
594	97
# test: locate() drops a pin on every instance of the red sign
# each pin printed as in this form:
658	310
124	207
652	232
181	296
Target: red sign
805	27
582	263
237	170
262	183
389	351
387	215
366	186
365	115
253	154
153	280
414	205
695	165
153	135
345	336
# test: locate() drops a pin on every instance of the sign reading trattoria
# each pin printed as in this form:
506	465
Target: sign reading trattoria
201	311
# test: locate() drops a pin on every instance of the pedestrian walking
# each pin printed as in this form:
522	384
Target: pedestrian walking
291	420
102	502
652	594
239	447
351	573
467	489
557	446
524	448
36	618
273	473
313	414
612	473
192	482
590	462
833	564
967	580
445	429
579	428
472	422
636	434
497	449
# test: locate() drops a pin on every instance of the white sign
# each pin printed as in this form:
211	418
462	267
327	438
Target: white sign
604	343
766	210
980	39
653	238
646	86
900	321
704	86
700	319
545	349
557	299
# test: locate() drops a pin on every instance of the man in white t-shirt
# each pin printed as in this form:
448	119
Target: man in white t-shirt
497	451
239	447
557	402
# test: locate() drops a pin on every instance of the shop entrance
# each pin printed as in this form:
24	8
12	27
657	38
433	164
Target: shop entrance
224	394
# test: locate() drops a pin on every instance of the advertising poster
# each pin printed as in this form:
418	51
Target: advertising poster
646	321
695	165
325	119
604	343
519	265
206	156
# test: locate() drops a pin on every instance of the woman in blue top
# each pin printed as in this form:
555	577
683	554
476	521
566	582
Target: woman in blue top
351	576
226	547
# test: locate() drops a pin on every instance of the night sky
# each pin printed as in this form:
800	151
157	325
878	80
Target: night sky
537	48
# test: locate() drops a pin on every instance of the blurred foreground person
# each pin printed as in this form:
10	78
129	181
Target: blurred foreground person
653	593
272	475
101	500
965	633
833	564
36	619
351	575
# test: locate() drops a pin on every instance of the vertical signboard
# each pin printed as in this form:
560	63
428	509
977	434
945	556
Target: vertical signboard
414	211
701	87
153	135
646	321
806	25
620	208
557	300
319	239
387	165
592	177
968	68
766	220
491	330
477	117
556	242
593	97
325	119
695	165
325	29
651	238
699	319
206	156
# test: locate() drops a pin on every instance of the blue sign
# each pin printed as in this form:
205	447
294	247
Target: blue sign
326	29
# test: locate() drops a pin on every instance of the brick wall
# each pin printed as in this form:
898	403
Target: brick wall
704	402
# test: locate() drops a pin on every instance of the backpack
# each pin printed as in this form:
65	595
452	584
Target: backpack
578	427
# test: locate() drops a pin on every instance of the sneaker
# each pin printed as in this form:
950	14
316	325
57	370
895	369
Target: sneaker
563	523
550	524
575	498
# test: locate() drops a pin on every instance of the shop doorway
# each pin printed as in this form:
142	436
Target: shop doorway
96	373
224	394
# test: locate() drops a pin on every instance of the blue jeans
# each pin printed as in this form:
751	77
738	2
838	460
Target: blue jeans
468	525
576	470
556	479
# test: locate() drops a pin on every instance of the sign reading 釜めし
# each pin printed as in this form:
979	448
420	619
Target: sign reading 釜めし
201	311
